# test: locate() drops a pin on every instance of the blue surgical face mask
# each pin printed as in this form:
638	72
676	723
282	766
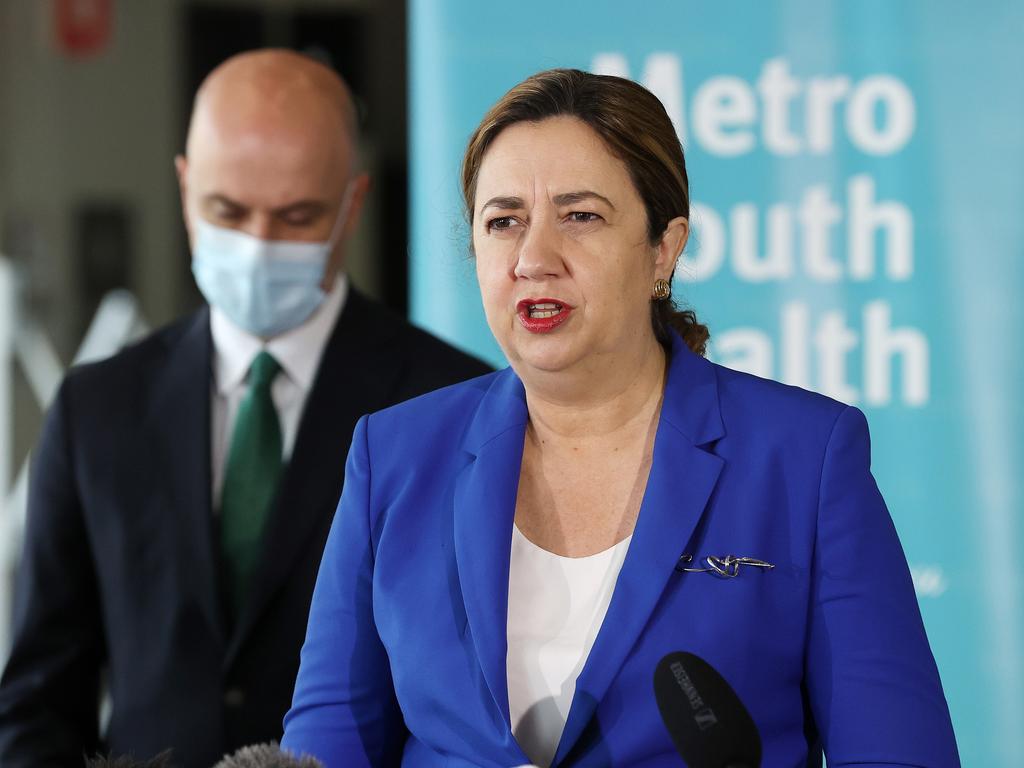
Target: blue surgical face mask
265	287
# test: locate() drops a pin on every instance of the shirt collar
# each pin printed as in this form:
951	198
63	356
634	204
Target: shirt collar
298	350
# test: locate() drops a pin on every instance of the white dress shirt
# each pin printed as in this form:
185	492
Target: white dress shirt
556	606
297	351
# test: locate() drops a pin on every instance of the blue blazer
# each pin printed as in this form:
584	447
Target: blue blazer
404	659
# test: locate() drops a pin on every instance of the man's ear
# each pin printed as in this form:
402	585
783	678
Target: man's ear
336	262
671	245
360	188
181	170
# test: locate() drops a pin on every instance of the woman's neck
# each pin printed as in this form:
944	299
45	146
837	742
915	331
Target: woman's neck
597	401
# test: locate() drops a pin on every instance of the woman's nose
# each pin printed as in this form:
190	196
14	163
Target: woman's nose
539	255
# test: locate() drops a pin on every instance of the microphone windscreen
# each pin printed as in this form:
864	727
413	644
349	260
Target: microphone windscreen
163	760
267	756
705	718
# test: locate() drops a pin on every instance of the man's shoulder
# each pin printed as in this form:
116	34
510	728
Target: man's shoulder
424	355
424	347
138	362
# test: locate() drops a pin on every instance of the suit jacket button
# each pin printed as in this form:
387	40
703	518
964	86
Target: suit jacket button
234	697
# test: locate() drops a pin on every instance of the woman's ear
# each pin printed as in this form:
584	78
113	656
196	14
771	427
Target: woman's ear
672	242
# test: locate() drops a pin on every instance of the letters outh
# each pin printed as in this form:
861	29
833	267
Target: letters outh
829	233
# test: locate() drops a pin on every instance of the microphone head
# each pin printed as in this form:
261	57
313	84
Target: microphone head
267	756
163	760
705	718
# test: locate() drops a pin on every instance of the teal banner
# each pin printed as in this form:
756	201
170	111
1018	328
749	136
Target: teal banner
857	172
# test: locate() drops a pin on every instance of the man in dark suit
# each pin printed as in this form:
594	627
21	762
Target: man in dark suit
183	490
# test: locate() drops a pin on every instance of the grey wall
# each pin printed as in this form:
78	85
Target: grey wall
96	130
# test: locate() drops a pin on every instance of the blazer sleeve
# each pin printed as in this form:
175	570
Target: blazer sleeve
872	683
344	709
49	691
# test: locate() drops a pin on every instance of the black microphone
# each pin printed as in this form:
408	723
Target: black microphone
705	718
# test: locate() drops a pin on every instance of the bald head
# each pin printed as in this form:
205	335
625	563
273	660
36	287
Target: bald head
275	87
271	150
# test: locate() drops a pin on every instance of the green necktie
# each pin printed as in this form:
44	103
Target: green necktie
250	480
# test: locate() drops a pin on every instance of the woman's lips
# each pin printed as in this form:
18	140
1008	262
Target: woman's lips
542	315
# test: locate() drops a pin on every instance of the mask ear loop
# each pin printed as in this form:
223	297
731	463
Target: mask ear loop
339	223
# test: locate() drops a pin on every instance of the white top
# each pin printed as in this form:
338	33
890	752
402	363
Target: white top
298	351
555	608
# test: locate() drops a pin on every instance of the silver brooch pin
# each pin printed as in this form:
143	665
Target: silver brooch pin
728	566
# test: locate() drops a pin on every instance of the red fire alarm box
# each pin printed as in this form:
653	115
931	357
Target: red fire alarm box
83	26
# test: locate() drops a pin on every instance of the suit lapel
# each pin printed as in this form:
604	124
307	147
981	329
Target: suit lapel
356	373
683	476
181	424
485	501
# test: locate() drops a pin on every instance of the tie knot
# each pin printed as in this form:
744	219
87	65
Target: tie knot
263	370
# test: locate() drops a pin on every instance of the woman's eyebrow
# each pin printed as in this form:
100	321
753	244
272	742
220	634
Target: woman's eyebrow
565	198
504	203
568	198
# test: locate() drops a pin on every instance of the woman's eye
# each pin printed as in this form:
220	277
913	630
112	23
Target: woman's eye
583	217
501	223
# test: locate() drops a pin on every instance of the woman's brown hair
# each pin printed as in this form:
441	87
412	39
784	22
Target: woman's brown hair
635	127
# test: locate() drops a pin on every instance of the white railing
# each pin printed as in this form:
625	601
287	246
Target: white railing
8	296
24	343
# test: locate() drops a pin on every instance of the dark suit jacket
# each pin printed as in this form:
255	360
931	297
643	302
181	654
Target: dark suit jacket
120	571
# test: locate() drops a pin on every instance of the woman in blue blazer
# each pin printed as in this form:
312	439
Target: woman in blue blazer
512	556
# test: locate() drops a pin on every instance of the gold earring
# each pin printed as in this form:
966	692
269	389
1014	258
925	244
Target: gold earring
662	289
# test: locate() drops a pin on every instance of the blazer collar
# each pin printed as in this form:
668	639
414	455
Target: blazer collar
691	396
683	475
484	511
682	478
503	407
180	422
357	371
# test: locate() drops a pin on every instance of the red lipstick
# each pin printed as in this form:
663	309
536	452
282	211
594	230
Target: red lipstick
542	315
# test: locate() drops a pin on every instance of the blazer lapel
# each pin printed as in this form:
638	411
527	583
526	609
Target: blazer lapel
355	375
682	478
181	423
485	501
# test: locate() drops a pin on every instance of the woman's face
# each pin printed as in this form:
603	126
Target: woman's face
562	253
